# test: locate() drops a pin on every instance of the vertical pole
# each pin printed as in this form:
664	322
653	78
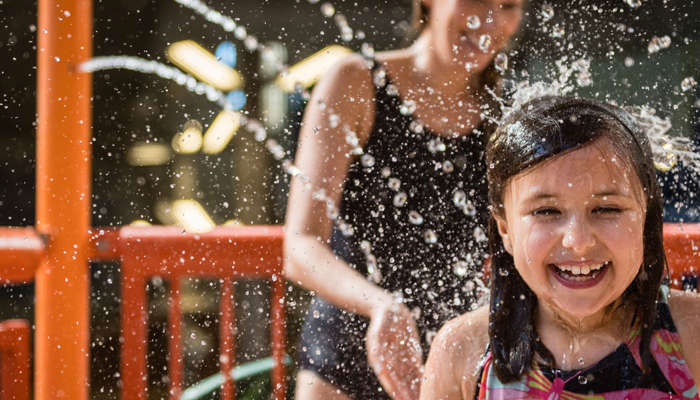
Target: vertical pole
63	199
278	338
227	338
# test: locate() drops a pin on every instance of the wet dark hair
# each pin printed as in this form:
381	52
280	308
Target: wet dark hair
538	131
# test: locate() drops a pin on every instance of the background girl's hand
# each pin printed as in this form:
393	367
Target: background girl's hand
394	351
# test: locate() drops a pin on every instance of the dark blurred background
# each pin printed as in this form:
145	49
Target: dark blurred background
244	183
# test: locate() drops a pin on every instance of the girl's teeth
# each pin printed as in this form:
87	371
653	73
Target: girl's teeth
580	270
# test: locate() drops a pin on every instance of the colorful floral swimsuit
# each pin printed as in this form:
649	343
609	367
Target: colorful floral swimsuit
618	376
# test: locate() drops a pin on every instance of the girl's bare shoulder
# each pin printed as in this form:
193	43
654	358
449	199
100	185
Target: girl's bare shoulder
685	311
455	356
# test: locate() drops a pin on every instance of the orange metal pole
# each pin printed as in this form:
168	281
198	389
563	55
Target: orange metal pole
63	199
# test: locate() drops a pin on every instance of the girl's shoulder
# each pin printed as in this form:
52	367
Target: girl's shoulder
685	311
456	353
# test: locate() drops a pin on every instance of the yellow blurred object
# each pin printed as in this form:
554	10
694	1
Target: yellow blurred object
191	216
221	131
197	61
140	222
308	71
148	154
233	222
189	140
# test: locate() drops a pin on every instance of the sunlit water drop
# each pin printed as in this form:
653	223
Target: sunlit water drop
484	42
327	10
547	12
473	22
430	236
688	83
400	199
501	62
408	107
415	218
657	44
633	3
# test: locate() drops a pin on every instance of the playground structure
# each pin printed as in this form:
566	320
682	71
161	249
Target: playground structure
55	254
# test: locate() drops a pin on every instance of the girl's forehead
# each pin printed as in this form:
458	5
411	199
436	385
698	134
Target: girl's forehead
595	168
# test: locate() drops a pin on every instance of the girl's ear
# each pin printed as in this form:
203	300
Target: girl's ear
503	231
427	3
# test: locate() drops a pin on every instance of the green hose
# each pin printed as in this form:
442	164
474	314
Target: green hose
211	383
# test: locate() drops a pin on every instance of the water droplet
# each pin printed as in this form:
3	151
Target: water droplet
392	90
629	61
240	33
250	43
416	127
503	272
415	218
460	268
448	167
327	10
334	120
469	209
430	236
658	43
407	107
459	198
473	22
367	160
582	379
66	13
379	77
484	42
580	360
479	235
435	145
400	199
394	184
346	229
547	12
501	62
633	3
367	50
688	83
316	314
386	172
57	59
313	1
558	31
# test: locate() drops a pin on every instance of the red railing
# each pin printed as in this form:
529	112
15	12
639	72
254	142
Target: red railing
14	360
224	253
227	254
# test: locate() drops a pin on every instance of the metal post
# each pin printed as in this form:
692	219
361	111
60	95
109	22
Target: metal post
63	199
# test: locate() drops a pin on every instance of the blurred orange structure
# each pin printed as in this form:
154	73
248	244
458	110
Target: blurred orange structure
14	359
56	253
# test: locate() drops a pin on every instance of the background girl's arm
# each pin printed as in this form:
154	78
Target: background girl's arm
685	311
341	101
452	369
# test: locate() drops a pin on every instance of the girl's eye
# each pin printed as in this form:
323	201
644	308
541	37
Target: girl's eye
607	210
545	211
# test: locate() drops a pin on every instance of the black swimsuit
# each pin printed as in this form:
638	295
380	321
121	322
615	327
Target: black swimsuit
417	204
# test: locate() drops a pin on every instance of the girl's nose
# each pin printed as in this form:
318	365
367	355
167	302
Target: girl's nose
578	236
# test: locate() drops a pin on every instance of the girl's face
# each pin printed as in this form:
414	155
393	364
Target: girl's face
455	42
574	226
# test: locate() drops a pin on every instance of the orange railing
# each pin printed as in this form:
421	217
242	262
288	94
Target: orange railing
14	360
224	253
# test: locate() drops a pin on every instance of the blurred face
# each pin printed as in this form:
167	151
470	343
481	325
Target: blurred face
574	226
455	38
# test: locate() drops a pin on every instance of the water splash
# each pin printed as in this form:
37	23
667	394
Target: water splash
667	150
153	67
